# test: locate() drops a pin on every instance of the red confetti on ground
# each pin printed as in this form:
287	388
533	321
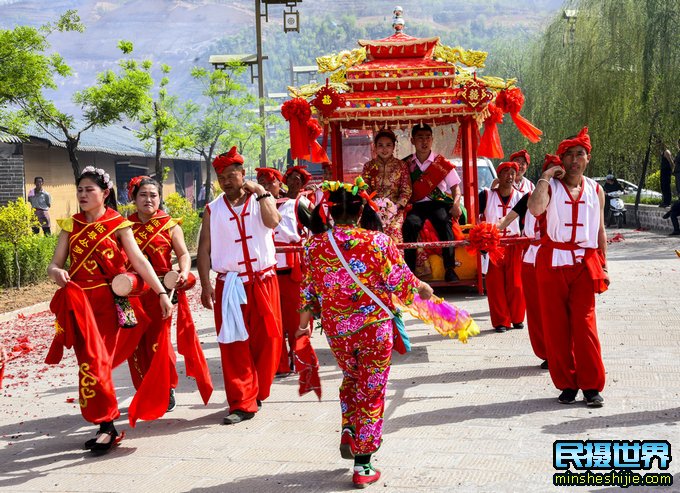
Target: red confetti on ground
641	229
70	400
616	238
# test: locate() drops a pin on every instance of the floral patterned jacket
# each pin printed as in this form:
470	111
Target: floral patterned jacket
328	288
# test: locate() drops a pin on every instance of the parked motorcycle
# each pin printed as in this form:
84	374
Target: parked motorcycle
617	209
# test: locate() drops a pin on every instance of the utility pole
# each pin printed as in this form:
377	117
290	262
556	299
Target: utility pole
260	84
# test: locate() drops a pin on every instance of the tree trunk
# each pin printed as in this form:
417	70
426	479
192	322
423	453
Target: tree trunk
71	146
208	179
159	148
641	183
16	261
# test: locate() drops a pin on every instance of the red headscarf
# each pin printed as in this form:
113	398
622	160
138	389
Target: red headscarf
582	139
270	174
134	183
226	159
551	159
302	170
507	164
523	153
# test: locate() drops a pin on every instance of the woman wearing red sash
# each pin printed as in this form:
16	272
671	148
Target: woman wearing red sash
99	243
158	235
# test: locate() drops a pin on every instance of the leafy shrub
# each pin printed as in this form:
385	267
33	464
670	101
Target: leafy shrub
34	253
127	209
653	181
178	206
16	222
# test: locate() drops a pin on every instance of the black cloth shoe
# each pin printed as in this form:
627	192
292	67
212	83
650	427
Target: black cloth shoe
103	448
544	365
667	215
518	326
451	276
237	416
674	233
593	398
171	402
501	328
568	396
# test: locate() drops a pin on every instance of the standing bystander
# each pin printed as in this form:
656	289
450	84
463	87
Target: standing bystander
41	202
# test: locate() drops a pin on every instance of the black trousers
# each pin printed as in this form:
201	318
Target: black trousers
440	217
665	178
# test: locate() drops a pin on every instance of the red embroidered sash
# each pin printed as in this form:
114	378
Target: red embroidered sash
425	183
86	240
154	239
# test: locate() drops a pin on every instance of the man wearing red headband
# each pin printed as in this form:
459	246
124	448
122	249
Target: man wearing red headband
237	242
503	278
534	228
523	160
571	267
435	196
289	232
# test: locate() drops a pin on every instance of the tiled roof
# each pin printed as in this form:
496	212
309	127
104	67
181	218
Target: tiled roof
114	139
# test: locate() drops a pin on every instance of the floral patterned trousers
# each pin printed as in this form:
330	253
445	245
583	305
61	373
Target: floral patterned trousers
364	358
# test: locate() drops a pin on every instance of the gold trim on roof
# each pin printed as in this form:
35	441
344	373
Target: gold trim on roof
397	41
471	58
308	90
345	58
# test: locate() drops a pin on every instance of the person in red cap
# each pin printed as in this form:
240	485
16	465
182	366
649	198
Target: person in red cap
435	196
237	242
289	232
534	228
571	267
523	160
503	278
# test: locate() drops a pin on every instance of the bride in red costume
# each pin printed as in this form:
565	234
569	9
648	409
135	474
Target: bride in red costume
99	242
153	370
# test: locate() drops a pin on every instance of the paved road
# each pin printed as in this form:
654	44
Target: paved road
479	417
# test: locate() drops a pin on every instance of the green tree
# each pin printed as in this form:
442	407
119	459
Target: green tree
224	118
16	222
112	97
615	70
26	69
158	122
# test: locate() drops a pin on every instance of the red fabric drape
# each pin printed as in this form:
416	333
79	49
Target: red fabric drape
77	328
307	366
490	142
189	346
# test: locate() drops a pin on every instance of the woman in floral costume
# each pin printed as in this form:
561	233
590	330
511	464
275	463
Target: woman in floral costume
360	333
389	178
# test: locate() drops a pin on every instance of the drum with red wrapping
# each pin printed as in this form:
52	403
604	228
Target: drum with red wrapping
170	281
128	284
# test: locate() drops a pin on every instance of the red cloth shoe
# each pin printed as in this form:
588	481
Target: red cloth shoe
365	475
347	444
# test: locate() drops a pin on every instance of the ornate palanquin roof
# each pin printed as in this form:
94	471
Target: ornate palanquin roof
402	79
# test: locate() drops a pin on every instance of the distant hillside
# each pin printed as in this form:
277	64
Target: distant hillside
185	33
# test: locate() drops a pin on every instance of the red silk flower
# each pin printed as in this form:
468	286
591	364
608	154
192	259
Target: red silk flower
490	143
486	237
134	182
511	101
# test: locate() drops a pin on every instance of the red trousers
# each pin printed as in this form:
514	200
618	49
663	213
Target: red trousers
568	316
248	367
290	318
533	306
504	288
